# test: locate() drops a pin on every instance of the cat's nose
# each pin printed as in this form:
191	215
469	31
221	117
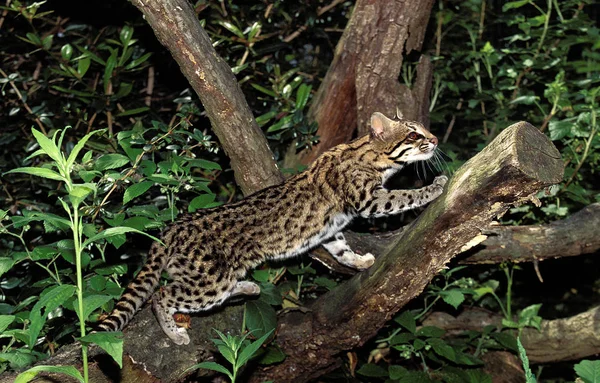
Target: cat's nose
433	140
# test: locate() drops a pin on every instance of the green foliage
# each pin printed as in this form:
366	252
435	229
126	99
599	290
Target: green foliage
529	377
237	350
530	60
588	371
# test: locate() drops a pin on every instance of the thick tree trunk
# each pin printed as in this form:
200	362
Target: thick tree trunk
363	77
518	163
177	27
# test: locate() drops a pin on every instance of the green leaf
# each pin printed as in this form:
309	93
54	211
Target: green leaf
136	62
273	355
588	371
560	128
506	340
5	321
52	298
125	35
214	367
30	374
112	231
48	146
514	4
396	372
231	28
40	172
373	371
302	95
270	294
261	318
453	297
525	100
204	164
200	202
407	321
111	63
529	377
66	51
131	112
18	358
78	194
79	146
83	65
249	351
442	349
111	342
6	264
111	161
90	303
136	190
264	90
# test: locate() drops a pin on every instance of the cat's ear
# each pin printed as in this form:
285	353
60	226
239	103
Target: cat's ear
380	124
399	114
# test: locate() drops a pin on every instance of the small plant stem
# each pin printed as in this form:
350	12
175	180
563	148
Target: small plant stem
501	305
77	245
426	309
545	30
586	151
509	281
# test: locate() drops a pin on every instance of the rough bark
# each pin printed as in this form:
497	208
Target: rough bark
177	27
576	235
363	77
518	163
558	340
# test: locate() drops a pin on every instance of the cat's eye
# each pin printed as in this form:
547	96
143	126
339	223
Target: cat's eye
413	135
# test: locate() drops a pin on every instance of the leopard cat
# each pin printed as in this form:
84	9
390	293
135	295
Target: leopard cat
208	253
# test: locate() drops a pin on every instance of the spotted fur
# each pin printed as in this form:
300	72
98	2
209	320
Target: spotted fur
208	253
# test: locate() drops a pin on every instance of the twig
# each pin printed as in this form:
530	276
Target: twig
150	86
320	12
4	13
12	84
451	124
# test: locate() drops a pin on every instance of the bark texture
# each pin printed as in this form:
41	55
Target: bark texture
576	235
177	27
363	77
558	340
517	164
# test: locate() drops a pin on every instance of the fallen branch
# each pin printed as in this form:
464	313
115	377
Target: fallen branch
575	235
558	340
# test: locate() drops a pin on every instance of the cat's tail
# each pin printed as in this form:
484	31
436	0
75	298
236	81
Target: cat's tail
138	291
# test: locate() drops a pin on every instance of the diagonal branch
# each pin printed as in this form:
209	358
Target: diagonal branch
177	27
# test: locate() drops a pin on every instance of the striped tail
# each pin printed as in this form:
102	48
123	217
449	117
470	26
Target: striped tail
138	291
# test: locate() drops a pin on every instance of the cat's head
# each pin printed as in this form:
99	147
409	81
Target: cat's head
402	141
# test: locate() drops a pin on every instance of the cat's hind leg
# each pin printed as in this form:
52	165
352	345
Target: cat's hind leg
338	247
165	303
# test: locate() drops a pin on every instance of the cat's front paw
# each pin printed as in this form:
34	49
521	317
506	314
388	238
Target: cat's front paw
440	181
363	262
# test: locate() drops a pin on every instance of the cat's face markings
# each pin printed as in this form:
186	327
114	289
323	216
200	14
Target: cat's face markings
403	141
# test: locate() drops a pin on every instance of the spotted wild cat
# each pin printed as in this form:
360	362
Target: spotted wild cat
208	253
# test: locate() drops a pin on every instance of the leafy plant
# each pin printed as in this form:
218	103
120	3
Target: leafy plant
237	350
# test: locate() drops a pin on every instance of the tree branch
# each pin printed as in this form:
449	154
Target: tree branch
575	235
558	340
518	163
176	26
